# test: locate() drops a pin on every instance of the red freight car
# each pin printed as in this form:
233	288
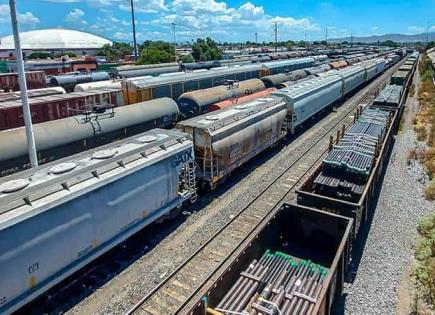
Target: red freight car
35	80
12	96
53	107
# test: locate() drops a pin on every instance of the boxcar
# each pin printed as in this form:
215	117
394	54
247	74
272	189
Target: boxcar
57	218
227	138
11	96
9	82
52	107
298	238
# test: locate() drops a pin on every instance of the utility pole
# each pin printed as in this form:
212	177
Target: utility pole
256	38
23	87
326	38
351	40
134	29
306	44
427	33
276	36
175	42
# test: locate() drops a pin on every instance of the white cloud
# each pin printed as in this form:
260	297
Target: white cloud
145	6
26	19
199	18
194	18
250	11
92	3
415	29
75	16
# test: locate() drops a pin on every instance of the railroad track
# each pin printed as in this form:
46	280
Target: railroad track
179	291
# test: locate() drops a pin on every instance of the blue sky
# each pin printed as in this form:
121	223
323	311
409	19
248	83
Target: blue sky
225	20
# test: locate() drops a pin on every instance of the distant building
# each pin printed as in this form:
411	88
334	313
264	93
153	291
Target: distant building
53	41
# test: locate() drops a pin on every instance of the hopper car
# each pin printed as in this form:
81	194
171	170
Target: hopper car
57	106
227	138
9	82
76	209
59	138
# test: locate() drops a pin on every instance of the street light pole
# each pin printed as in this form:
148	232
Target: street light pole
175	42
134	29
23	87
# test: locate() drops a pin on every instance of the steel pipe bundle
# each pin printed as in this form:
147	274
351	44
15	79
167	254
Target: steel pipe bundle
276	284
347	167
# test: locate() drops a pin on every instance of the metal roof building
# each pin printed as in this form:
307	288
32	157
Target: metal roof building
55	40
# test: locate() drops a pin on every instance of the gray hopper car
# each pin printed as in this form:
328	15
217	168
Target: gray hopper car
300	232
353	77
307	98
197	102
231	136
57	218
59	138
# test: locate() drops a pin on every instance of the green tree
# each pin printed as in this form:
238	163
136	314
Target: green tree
206	49
39	55
389	43
155	52
187	58
115	51
430	45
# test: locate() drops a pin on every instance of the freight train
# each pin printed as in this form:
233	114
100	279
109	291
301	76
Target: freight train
296	263
174	84
97	197
316	93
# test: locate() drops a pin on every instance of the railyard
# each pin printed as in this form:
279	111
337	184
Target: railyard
240	186
263	198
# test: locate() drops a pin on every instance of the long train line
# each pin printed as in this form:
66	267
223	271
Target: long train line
175	294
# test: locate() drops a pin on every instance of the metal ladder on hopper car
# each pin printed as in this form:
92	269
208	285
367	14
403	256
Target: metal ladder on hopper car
190	180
